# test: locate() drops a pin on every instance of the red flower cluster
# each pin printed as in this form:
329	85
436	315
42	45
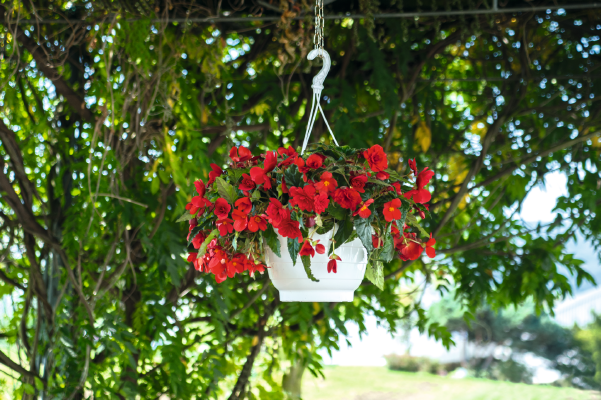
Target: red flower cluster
241	208
217	262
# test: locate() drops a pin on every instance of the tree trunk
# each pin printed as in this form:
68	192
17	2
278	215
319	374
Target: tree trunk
291	383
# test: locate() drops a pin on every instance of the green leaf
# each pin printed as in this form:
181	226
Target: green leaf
193	233
256	195
272	240
226	190
345	230
336	211
388	249
203	246
293	248
235	241
29	389
38	383
325	228
405	207
293	177
155	185
307	264
363	228
375	274
185	217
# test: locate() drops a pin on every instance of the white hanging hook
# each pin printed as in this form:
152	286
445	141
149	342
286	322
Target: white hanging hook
317	86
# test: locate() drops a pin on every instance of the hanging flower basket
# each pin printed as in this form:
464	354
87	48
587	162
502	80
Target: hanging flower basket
316	222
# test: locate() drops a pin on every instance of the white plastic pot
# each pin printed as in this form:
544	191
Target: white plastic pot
294	285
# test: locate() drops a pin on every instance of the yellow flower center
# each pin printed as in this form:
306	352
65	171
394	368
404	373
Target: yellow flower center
391	209
258	219
326	183
234	263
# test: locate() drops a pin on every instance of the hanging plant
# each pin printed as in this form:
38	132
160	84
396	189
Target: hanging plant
349	193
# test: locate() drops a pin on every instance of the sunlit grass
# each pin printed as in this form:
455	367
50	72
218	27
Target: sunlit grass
379	383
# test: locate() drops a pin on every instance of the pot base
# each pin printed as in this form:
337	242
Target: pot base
319	296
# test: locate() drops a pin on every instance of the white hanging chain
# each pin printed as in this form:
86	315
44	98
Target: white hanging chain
318	79
318	36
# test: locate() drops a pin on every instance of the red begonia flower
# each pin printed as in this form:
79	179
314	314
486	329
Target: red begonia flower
290	229
332	267
376	158
256	222
290	154
413	166
244	205
420	196
391	210
240	154
240	220
257	174
347	198
218	265
429	249
309	222
321	203
303	198
363	211
284	187
247	183
300	163
376	241
382	175
307	249
222	208
214	174
198	239
397	187
326	183
225	226
200	187
320	248
358	183
197	262
314	161
276	213
235	265
197	203
271	160
424	178
412	251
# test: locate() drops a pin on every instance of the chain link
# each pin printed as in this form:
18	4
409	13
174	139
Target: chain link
319	25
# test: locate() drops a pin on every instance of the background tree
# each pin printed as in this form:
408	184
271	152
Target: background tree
503	338
110	110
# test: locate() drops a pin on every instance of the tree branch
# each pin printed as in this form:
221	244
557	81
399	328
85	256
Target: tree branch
239	388
42	63
4	359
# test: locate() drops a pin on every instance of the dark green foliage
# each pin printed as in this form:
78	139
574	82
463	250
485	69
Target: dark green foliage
364	231
307	265
272	240
293	248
